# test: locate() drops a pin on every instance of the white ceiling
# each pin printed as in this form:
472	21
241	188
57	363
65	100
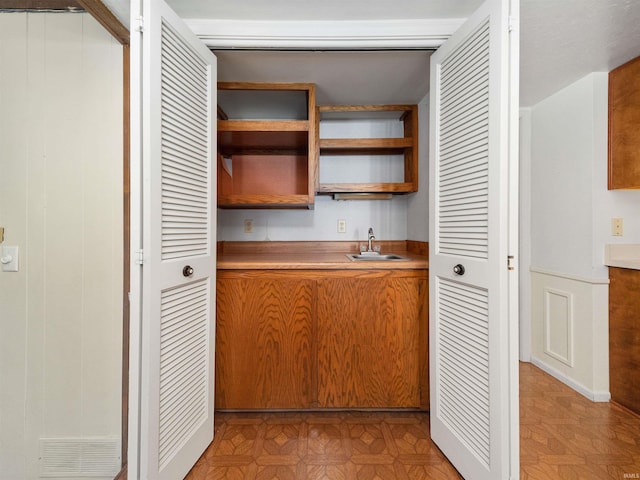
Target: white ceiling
561	40
341	78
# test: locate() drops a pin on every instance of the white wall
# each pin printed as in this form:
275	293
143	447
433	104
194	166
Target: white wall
403	217
571	212
418	203
61	204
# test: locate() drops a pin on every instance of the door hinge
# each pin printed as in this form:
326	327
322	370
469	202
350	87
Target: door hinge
512	23
510	260
140	257
140	24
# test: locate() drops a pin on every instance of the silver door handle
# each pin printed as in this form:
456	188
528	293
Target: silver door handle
458	269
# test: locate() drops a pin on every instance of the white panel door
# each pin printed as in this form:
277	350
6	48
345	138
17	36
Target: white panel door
474	414
178	84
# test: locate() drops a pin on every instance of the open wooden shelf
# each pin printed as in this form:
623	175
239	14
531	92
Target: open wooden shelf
406	146
266	162
364	146
263	201
237	137
391	187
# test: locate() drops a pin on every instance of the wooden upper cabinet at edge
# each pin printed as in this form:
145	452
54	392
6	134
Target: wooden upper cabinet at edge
267	162
624	126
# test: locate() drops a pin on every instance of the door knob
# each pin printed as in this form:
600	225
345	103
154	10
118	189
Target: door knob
187	271
458	269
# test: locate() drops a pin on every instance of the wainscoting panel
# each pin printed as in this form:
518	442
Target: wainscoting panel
569	330
558	325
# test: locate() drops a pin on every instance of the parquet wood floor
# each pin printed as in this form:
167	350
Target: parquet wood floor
563	436
322	445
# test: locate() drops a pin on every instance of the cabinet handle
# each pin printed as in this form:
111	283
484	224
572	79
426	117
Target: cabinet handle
187	271
458	269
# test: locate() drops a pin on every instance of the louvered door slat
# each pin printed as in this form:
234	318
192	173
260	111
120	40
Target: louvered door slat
455	153
185	96
183	367
467	376
185	151
171	191
464	147
183	156
183	119
477	406
177	130
470	84
192	163
461	57
472	136
463	190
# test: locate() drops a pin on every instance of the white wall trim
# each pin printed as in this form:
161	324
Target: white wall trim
594	396
577	278
525	234
317	34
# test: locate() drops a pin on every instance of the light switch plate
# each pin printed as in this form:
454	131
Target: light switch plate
9	258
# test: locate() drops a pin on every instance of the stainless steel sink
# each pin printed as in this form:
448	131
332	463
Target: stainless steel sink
375	257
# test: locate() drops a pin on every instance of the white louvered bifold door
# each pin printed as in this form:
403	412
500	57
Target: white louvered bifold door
178	331
470	353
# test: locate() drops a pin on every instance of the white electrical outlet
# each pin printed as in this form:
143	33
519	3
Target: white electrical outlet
616	227
342	225
248	225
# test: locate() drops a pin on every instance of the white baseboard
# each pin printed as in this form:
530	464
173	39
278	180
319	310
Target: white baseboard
594	396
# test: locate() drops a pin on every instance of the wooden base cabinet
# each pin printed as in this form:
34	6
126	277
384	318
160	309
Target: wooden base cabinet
322	339
265	355
368	342
624	337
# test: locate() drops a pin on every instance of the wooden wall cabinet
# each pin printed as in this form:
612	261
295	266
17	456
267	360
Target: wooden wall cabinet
266	145
322	339
624	126
624	337
405	146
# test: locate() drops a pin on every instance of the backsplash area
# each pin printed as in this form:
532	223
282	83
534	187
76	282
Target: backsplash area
387	217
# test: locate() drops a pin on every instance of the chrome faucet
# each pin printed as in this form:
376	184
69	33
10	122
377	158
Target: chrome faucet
371	238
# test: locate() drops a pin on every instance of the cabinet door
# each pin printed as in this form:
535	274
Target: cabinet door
624	337
368	338
624	117
264	343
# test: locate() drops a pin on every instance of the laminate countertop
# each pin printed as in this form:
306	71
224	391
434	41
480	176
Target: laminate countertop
316	256
623	255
